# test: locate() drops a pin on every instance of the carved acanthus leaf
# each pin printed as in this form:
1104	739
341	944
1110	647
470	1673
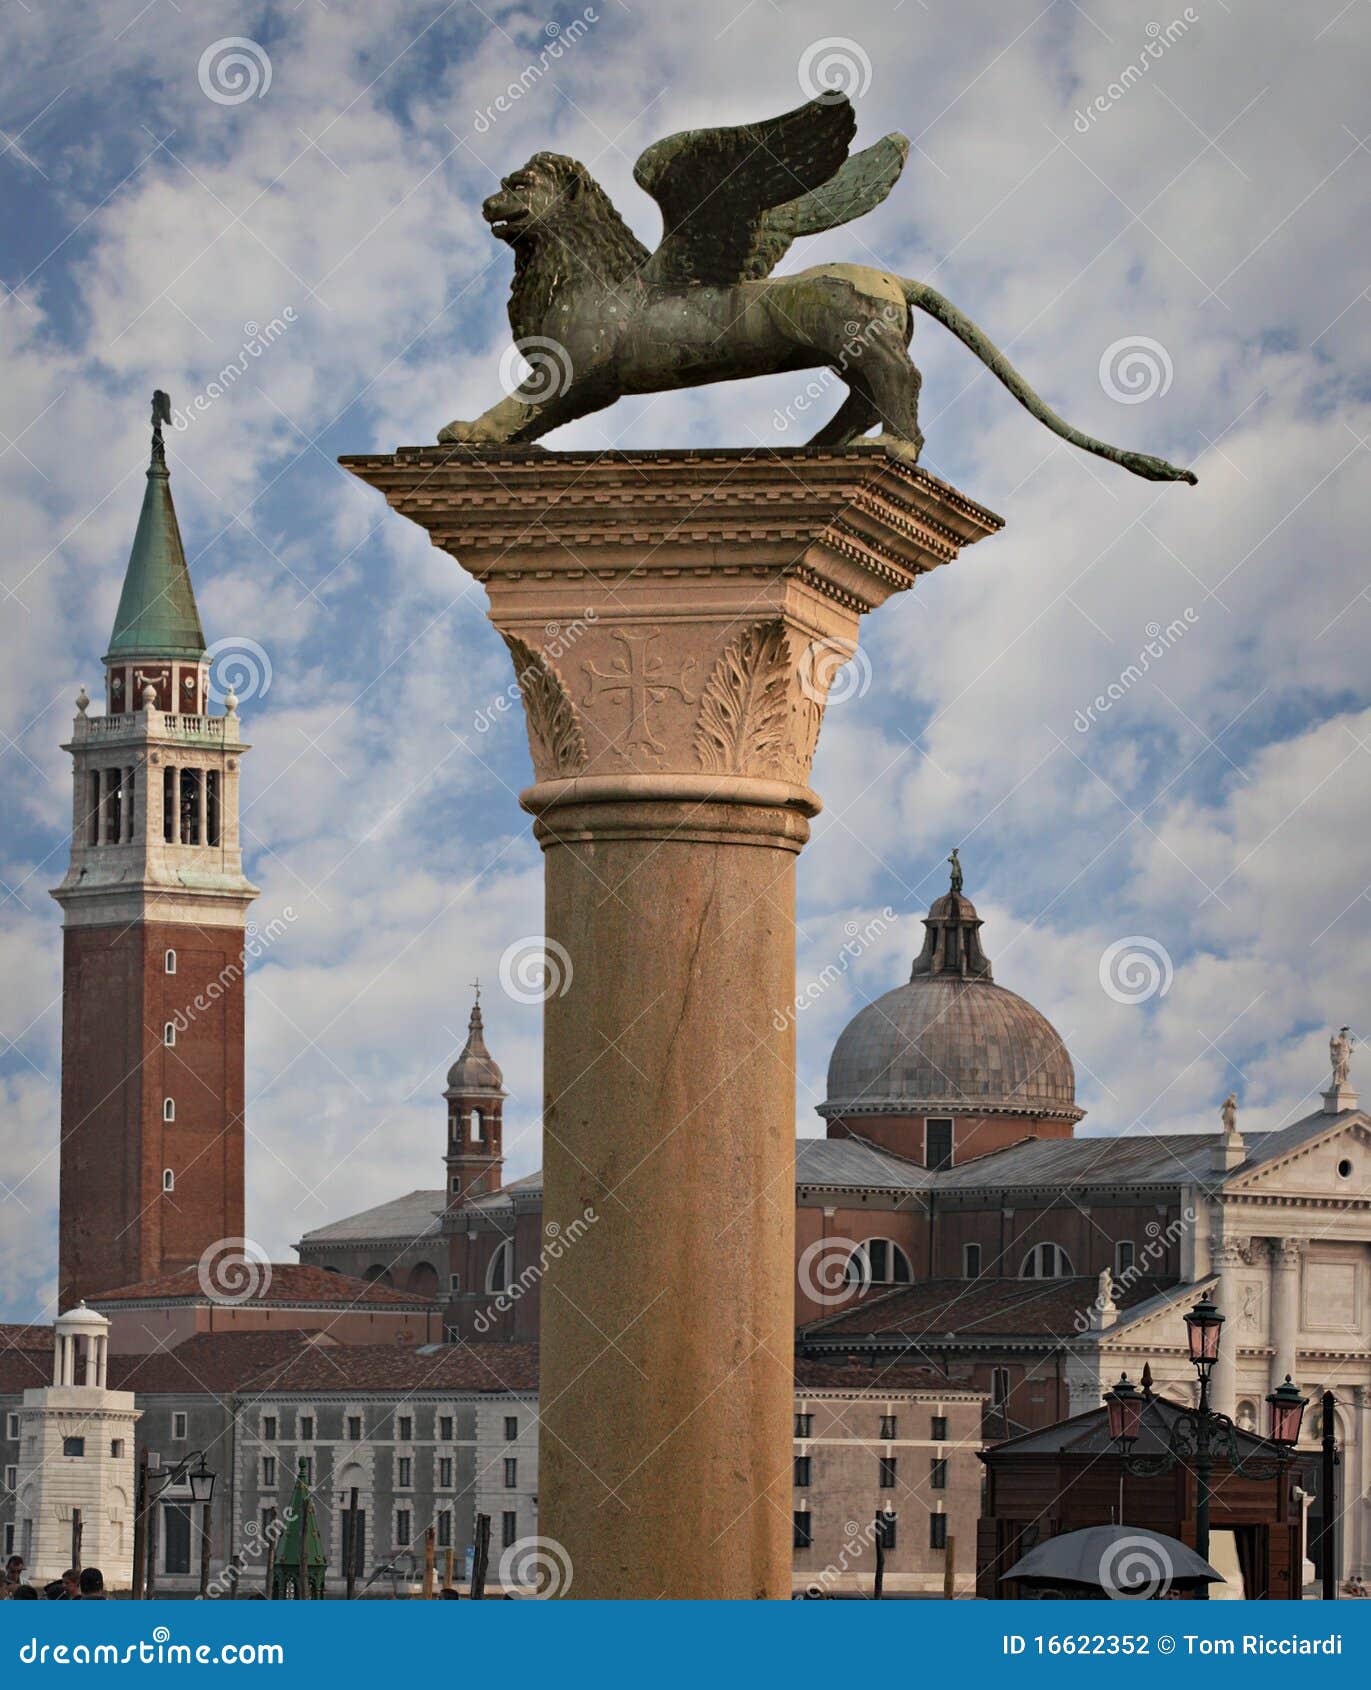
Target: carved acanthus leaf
555	739
744	722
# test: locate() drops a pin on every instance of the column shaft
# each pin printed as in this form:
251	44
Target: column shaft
665	1447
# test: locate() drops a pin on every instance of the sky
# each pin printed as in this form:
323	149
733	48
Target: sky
1140	712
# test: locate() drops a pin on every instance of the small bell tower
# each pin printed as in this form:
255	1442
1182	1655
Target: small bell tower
154	904
475	1095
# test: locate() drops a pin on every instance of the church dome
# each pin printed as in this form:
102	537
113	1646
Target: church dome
951	1040
475	1070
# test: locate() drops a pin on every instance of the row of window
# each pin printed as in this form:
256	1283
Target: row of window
887	1525
888	1468
404	1428
804	1426
404	1471
880	1261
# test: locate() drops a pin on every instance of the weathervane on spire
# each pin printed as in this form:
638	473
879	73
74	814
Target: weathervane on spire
161	413
476	987
955	860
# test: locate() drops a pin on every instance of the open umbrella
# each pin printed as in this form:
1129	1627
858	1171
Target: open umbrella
1114	1561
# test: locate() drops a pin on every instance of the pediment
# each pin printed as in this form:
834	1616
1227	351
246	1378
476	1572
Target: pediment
1333	1166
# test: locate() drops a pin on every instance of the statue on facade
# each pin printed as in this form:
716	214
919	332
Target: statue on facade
597	316
1229	1113
1340	1050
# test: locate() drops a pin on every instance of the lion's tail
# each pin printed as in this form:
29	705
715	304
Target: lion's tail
1141	463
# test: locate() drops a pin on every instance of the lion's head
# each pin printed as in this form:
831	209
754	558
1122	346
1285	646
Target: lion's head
553	206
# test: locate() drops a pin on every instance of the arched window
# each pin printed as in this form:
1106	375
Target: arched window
501	1269
376	1274
168	1109
1046	1261
169	962
880	1261
1124	1257
169	1034
168	1180
478	1126
971	1261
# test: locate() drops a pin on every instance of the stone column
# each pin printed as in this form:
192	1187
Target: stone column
675	620
1226	1256
1286	1255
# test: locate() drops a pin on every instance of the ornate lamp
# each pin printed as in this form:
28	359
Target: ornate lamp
1125	1411
199	1478
1287	1411
1203	1326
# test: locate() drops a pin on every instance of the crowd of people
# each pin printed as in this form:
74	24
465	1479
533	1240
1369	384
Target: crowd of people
86	1584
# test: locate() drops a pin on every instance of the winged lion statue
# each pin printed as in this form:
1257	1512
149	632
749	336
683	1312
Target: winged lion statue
598	316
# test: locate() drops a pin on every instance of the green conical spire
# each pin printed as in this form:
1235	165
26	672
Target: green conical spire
157	616
300	1546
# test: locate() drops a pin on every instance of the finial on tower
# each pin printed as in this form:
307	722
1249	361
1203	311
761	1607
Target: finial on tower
161	413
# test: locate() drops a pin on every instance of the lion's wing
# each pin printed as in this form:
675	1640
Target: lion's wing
859	187
715	185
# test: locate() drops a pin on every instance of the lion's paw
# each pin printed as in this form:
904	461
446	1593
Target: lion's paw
458	433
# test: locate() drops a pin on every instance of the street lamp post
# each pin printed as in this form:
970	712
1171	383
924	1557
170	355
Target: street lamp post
1196	1432
200	1482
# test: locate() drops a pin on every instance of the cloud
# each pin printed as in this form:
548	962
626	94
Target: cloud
1215	805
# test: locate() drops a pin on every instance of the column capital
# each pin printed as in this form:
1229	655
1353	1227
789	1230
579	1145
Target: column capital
1230	1253
1286	1253
678	621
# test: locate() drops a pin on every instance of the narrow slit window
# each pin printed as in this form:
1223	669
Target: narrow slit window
114	783
169	962
93	809
168	1109
168	1180
211	806
190	806
169	1034
168	806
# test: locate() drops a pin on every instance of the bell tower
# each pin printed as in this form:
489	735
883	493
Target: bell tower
475	1094
154	903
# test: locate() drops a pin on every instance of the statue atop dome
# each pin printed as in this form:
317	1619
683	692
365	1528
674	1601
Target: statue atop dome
956	872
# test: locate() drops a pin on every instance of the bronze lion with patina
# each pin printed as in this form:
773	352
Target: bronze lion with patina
598	317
